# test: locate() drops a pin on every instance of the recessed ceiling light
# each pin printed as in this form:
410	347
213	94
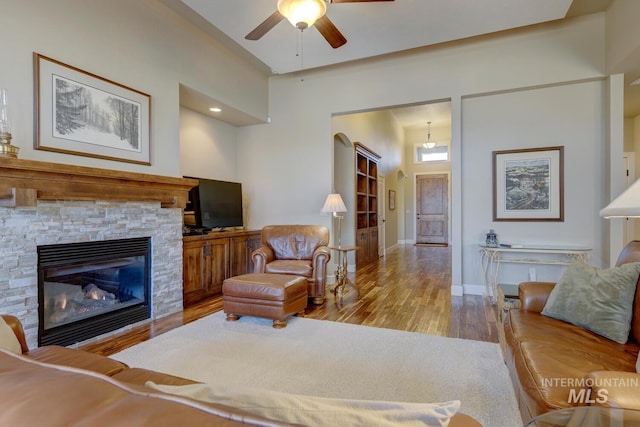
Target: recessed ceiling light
215	109
636	81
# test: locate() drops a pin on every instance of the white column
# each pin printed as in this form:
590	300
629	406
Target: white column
615	139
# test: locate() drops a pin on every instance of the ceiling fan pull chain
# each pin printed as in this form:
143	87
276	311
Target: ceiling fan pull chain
301	50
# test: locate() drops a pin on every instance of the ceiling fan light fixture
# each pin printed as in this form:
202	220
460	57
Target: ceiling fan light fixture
302	13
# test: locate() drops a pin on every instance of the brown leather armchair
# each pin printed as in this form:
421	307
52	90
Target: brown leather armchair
300	250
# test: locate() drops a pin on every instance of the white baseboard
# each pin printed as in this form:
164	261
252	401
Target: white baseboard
472	289
457	290
406	242
390	248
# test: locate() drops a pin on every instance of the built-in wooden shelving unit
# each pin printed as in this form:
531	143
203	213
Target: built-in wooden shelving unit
366	169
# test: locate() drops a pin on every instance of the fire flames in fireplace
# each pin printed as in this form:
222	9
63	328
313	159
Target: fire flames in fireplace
66	303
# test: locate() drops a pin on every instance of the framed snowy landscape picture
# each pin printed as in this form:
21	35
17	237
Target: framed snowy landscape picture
83	114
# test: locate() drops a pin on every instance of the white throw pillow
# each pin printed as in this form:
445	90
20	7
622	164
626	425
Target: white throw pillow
8	339
318	411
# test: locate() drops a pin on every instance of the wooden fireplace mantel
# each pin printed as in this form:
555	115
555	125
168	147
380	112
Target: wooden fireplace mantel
24	182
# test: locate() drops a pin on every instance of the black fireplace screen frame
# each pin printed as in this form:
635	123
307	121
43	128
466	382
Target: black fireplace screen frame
51	256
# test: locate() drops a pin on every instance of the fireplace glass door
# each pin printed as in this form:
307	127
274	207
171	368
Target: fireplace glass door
87	288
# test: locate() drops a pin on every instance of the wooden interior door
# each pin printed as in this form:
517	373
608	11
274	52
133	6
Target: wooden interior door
432	209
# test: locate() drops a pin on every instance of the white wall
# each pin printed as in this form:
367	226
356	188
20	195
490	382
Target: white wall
293	154
141	44
571	116
208	147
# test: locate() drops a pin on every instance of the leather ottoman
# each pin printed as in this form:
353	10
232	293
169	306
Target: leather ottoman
272	296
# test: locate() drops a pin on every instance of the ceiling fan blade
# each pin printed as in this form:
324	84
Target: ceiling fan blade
265	26
330	32
355	1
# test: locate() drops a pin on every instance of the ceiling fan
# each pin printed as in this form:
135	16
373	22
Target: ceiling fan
303	14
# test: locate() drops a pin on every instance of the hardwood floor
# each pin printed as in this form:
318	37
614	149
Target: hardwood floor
409	290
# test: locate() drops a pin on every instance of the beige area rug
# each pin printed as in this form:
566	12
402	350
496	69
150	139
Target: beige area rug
432	245
332	359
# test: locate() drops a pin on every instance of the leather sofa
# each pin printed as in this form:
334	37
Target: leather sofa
57	387
554	364
300	250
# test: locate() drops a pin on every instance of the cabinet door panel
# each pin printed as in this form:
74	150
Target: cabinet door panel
218	264
239	255
373	244
193	272
241	249
207	262
362	255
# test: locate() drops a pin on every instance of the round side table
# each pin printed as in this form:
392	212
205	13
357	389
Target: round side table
341	272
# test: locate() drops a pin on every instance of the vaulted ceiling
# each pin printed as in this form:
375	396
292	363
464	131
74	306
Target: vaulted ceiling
371	27
374	28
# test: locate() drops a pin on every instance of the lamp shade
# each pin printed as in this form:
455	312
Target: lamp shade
625	205
302	13
334	204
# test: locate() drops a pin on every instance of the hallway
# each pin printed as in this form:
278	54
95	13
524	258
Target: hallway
409	289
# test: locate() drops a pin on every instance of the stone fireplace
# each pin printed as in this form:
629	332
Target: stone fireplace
44	204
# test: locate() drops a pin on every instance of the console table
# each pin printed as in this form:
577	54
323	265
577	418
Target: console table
492	257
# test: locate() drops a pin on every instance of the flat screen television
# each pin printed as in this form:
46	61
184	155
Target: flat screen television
216	204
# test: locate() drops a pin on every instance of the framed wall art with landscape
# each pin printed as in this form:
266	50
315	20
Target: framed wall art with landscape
528	184
83	114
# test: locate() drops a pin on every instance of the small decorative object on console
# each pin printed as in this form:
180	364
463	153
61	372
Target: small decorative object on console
492	239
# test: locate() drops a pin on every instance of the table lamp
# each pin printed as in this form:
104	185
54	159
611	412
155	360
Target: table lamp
334	204
625	205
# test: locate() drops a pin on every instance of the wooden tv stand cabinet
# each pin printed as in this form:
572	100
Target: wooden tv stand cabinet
210	258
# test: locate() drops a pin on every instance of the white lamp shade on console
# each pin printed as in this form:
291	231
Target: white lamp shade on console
334	204
625	205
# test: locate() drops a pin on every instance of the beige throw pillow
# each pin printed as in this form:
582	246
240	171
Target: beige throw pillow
8	339
318	411
600	300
